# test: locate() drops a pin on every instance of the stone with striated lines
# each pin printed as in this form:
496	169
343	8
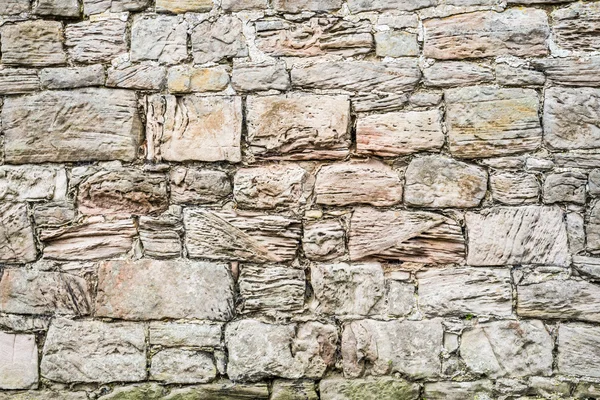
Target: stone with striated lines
33	43
17	244
514	188
456	73
576	27
96	41
18	80
143	76
571	71
579	350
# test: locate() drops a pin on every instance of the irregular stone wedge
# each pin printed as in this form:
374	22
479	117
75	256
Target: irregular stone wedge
579	350
78	125
375	388
508	348
298	126
17	244
571	71
570	118
272	186
369	182
517	235
405	236
484	121
152	289
182	366
271	289
193	128
91	239
24	291
411	348
359	76
96	41
559	299
459	390
193	186
315	37
464	291
225	235
32	182
73	77
169	39
517	31
399	133
437	181
94	351
218	40
18	80
18	361
514	188
258	350
576	27
122	190
35	43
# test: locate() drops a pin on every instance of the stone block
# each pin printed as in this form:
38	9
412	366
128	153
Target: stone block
33	43
160	38
17	244
18	361
96	41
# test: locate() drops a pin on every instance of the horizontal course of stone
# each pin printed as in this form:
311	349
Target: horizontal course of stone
299	199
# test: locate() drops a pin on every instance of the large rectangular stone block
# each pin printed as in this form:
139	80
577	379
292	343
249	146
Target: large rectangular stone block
18	361
153	289
213	41
96	41
298	126
94	351
517	235
516	31
35	43
79	125
17	244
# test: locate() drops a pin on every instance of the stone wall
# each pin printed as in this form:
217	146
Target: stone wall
299	199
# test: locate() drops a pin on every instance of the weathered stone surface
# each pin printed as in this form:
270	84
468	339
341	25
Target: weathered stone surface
589	266
514	188
169	39
72	77
347	289
437	181
91	239
146	391
18	361
400	5
314	37
294	390
239	5
399	133
258	350
565	187
161	235
59	8
559	299
35	43
579	350
594	183
223	390
150	289
143	76
24	291
297	6
107	128
12	7
253	77
576	27
516	31
373	388
18	80
185	334
115	6
298	126
94	351
53	214
463	291
18	183
192	128
571	71
182	366
96	41
182	6
396	44
272	186
247	237
44	395
456	73
586	390
576	232
411	348
513	348
17	244
517	235
218	40
370	182
323	240
271	289
568	118
122	190
406	236
188	79
359	76
458	390
518	76
484	121
592	228
195	186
